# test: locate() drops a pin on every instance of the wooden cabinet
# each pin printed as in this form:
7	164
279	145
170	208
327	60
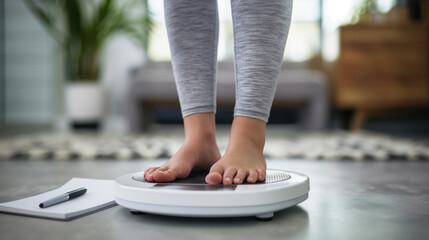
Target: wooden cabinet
382	67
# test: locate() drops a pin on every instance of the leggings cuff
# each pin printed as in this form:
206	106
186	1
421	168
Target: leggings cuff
252	114
199	109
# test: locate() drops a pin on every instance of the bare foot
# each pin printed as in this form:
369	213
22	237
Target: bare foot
243	159
199	150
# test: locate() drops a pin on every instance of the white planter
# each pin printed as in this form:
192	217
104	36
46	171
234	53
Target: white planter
84	102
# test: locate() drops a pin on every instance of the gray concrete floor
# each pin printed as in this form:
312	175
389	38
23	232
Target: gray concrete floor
347	200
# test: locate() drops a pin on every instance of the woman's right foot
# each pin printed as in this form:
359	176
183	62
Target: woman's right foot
199	151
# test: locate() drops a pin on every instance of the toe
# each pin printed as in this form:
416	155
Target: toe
149	178
148	173
239	177
164	176
215	175
253	176
229	175
261	174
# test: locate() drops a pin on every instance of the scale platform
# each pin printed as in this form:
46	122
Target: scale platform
192	197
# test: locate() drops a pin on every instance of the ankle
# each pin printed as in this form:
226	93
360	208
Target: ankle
201	139
246	130
200	128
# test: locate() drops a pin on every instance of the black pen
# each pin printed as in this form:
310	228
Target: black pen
63	197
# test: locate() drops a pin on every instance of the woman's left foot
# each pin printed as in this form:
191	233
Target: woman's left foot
243	160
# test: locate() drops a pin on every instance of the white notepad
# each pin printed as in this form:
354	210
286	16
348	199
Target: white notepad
99	195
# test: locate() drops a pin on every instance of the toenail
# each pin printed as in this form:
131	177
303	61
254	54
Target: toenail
251	179
237	179
227	180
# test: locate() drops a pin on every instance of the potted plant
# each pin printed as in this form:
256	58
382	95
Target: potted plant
81	29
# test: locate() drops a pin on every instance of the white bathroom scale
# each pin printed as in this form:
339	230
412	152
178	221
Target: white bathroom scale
192	197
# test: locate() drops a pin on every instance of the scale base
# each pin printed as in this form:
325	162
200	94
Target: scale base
262	217
263	213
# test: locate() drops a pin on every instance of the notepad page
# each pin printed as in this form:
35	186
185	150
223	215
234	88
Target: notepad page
99	195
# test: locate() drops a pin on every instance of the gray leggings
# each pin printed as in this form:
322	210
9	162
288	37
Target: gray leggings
260	31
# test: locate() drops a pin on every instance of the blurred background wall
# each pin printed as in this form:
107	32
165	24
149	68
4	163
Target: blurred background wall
28	54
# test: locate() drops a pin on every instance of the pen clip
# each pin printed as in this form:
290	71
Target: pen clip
76	192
